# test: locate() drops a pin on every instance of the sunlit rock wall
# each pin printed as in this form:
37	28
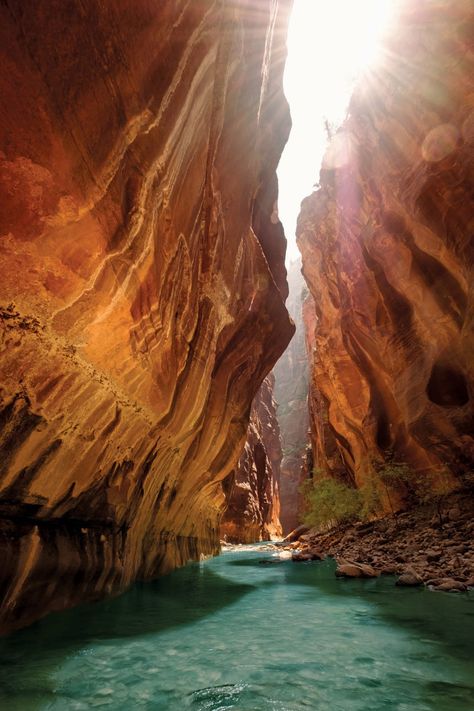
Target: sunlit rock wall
140	310
388	256
252	490
291	393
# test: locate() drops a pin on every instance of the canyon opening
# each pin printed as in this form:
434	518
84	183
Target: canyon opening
236	368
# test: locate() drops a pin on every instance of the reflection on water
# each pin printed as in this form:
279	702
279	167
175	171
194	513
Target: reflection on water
234	633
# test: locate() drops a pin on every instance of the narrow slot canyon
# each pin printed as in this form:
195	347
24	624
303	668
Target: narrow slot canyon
237	355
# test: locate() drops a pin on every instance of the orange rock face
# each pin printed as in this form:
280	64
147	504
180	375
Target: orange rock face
291	394
388	256
141	281
252	490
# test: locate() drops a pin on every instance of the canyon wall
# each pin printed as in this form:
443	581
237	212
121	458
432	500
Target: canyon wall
252	490
388	256
291	393
142	281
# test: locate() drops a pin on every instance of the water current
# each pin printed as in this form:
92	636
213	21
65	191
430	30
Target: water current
247	632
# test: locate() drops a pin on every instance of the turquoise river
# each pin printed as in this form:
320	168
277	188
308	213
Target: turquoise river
246	632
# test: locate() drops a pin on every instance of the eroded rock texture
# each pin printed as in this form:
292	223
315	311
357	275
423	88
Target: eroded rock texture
291	393
140	310
252	490
388	256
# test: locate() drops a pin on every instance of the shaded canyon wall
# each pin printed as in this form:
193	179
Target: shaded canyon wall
142	281
253	488
387	244
291	393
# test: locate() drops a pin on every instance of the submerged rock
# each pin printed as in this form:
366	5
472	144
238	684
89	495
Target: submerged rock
308	554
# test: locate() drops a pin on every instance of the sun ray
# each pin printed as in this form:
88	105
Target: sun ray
330	43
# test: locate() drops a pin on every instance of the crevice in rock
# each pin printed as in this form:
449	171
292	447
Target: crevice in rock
447	386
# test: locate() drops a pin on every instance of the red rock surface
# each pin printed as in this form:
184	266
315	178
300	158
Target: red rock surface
140	310
388	256
252	490
291	393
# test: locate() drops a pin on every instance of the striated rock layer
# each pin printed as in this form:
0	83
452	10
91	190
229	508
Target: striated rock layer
291	393
388	256
252	490
140	309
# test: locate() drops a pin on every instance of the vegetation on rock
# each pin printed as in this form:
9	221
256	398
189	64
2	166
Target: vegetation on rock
330	502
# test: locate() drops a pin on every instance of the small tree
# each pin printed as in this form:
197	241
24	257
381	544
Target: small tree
371	501
434	492
393	475
440	492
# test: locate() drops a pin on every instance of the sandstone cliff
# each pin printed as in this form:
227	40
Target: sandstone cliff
388	256
291	393
252	490
141	281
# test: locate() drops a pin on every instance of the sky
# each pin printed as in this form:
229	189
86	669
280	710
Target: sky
330	43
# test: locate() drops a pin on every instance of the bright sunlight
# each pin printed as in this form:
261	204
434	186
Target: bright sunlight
330	43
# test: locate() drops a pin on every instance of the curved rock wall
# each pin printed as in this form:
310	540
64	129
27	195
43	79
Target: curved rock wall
252	490
388	256
140	309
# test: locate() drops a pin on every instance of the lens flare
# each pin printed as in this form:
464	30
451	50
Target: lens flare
330	43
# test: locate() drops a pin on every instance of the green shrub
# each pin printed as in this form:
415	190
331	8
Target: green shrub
370	499
393	475
330	502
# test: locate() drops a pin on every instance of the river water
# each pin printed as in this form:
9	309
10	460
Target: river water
238	633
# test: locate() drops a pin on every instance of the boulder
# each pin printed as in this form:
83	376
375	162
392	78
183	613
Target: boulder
448	585
410	579
355	570
301	557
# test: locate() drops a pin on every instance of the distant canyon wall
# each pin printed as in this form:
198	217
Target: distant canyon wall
142	281
388	252
291	393
253	489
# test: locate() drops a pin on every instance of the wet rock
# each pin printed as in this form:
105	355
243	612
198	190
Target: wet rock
355	570
447	584
296	534
410	579
450	585
301	557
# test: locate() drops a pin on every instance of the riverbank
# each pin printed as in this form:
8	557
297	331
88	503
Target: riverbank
425	546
